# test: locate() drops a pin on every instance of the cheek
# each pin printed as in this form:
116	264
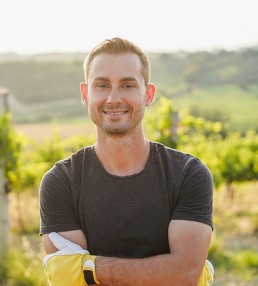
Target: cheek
94	106
94	100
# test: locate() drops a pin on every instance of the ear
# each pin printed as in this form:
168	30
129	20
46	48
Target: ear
150	92
84	93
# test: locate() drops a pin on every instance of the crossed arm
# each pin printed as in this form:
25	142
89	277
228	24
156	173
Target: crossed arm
189	243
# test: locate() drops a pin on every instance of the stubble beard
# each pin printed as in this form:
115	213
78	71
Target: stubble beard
117	128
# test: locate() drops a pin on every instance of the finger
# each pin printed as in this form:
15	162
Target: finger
46	258
59	241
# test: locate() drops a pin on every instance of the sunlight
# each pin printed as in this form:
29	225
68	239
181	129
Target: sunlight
45	26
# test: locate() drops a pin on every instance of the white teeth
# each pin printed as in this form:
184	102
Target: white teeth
116	113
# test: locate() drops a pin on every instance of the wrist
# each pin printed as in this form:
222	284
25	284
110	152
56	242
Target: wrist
98	261
105	270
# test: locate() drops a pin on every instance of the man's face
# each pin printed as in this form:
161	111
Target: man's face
115	93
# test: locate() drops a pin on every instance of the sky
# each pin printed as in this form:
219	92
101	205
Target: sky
39	26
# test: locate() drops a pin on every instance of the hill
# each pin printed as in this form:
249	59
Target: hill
217	85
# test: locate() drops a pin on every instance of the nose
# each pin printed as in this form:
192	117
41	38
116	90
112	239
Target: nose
114	97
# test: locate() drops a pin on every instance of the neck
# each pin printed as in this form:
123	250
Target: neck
122	155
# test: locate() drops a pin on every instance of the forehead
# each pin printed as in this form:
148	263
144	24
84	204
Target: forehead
122	65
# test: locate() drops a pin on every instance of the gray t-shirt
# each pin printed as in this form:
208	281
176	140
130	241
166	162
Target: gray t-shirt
125	216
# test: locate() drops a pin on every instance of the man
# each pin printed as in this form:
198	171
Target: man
143	210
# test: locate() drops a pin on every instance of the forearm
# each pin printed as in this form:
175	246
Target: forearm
167	269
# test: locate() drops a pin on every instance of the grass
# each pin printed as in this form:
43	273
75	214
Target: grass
23	266
24	263
234	247
233	251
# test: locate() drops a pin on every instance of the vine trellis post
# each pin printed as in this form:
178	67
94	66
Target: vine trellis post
4	222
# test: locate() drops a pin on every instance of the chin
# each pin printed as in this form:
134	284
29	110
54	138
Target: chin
118	130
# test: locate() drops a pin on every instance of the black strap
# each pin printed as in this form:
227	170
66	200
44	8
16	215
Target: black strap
88	276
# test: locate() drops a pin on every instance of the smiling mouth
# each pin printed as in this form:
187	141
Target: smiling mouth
115	113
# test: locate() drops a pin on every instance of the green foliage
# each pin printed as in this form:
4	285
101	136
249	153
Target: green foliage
50	151
24	267
210	141
10	145
240	261
230	156
237	261
26	174
228	260
3	271
35	158
246	259
161	122
218	255
238	157
53	149
21	266
75	143
200	128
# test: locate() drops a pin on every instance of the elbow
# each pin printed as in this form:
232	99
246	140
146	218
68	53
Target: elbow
192	278
188	278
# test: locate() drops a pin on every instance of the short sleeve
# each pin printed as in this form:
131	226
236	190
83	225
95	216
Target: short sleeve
195	200
56	203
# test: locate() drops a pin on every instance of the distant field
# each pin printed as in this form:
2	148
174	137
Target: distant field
46	87
235	104
239	105
43	131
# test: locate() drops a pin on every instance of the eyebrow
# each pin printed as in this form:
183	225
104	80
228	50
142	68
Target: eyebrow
130	78
100	78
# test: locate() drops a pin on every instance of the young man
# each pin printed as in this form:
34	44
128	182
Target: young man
142	209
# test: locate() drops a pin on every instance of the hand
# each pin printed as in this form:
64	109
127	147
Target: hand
70	265
64	246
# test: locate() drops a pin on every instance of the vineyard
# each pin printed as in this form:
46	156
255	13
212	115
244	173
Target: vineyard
206	105
231	156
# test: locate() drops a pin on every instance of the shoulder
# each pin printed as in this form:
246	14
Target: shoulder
171	153
184	164
74	159
176	156
67	167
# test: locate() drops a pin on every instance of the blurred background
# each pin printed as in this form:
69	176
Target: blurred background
204	57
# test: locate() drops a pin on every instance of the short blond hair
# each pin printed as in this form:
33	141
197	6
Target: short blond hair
118	46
